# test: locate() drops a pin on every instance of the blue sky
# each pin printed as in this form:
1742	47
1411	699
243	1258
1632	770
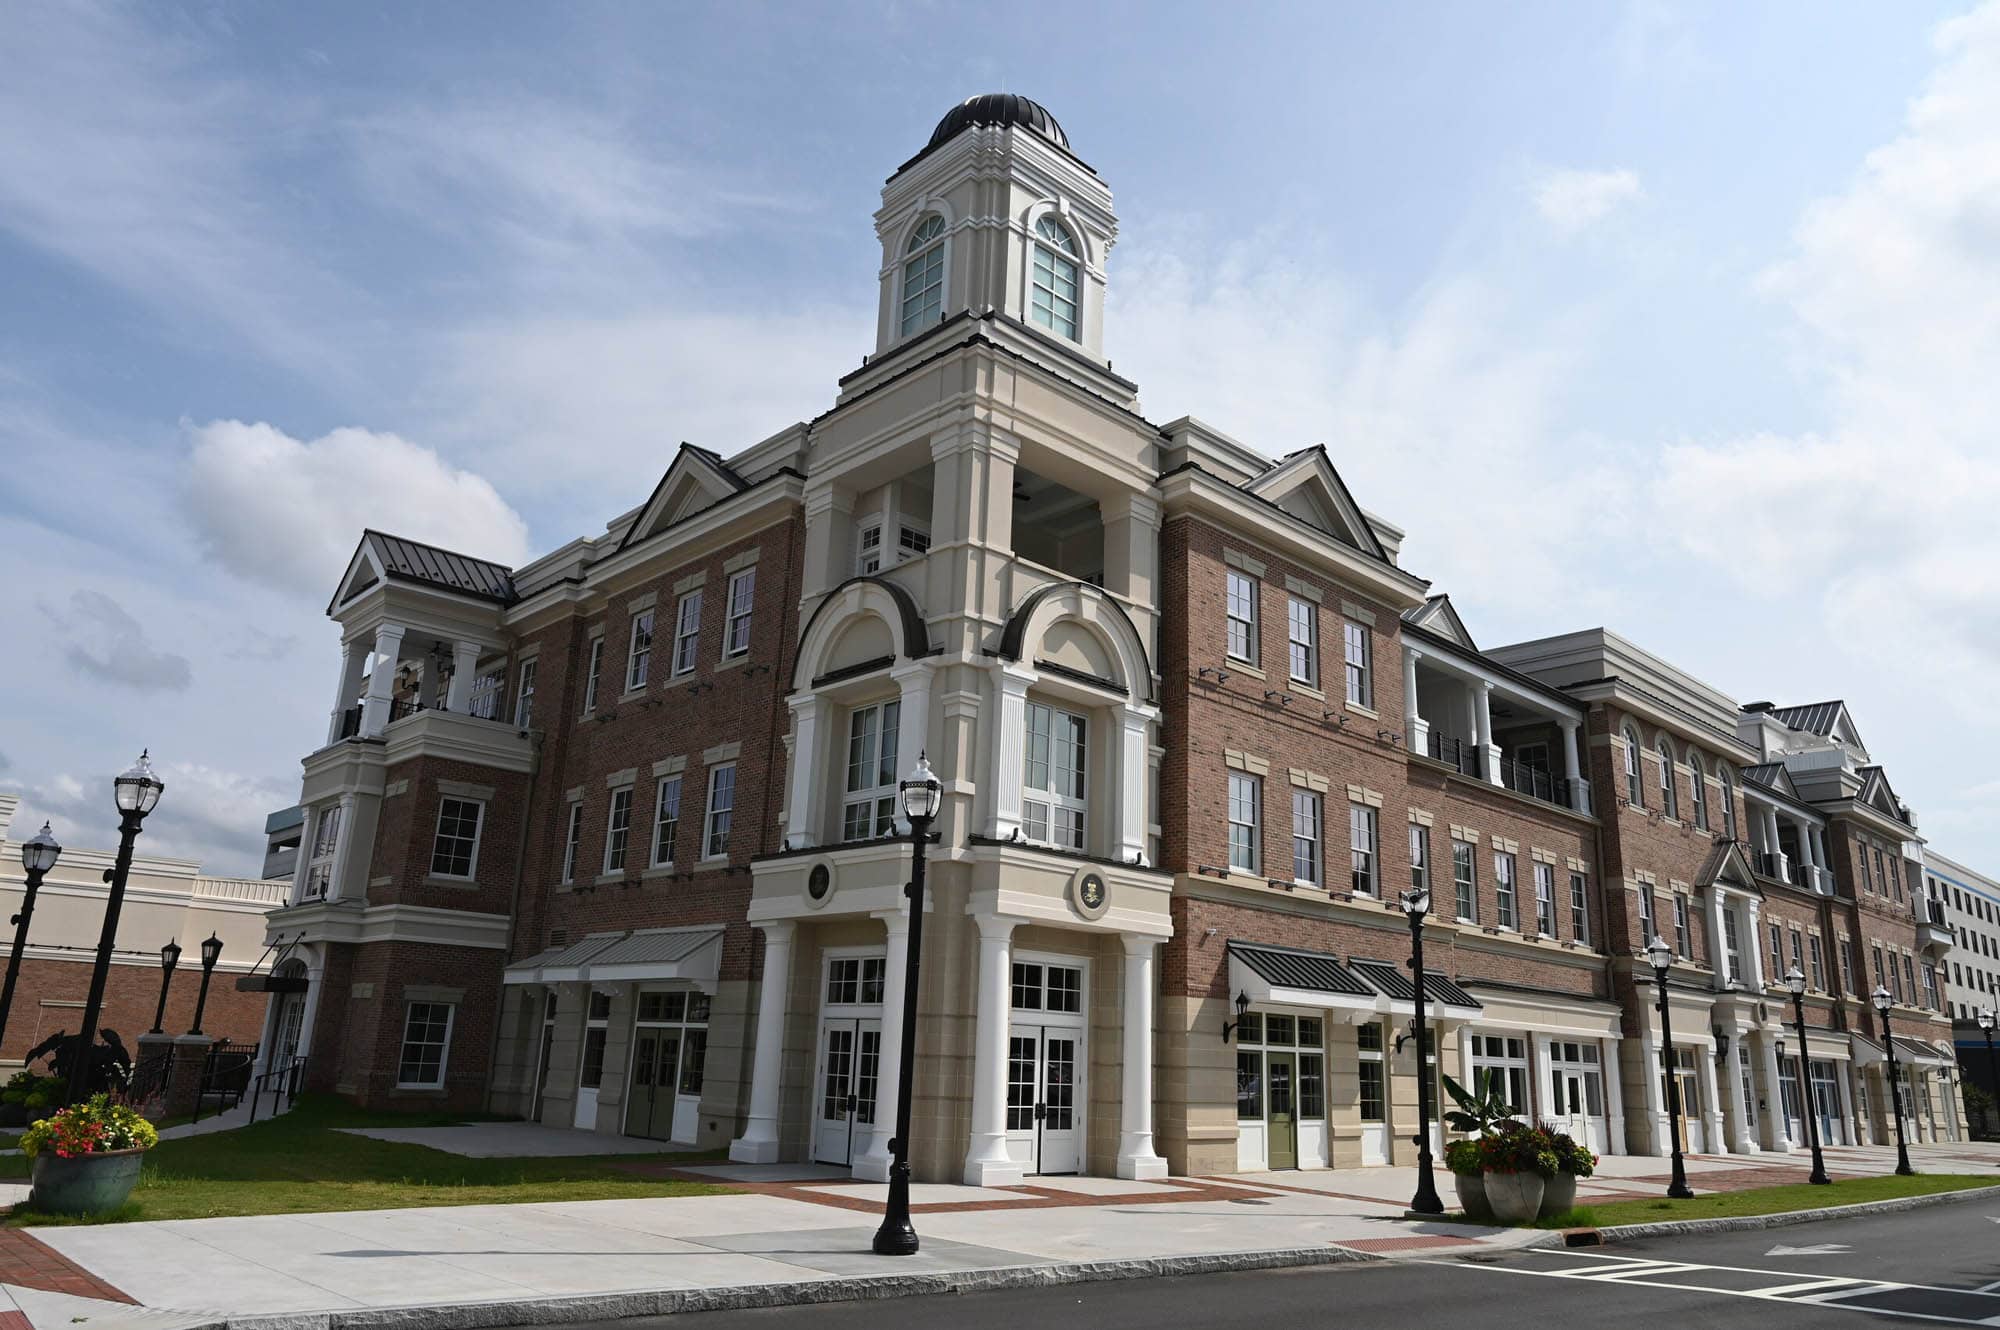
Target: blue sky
1679	319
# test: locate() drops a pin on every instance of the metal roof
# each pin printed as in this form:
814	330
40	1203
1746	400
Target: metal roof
562	958
414	561
1284	967
1396	986
1816	717
655	947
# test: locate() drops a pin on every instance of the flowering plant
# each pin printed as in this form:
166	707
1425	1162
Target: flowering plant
1572	1156
1514	1147
95	1126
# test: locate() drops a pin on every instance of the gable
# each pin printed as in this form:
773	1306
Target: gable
1877	795
1306	486
363	573
1438	616
694	482
1728	866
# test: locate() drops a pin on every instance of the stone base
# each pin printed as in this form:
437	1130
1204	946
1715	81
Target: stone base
872	1168
1142	1168
744	1151
993	1173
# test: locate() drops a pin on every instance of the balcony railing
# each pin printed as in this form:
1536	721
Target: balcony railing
1536	783
1462	757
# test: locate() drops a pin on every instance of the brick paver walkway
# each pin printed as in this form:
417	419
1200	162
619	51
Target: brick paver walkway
27	1262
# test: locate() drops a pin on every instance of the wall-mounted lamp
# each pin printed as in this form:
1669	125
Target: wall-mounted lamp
1242	1005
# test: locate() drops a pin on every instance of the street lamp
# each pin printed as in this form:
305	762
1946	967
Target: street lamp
921	794
137	793
1986	1022
211	952
1416	904
38	856
1881	996
1795	980
170	956
1662	958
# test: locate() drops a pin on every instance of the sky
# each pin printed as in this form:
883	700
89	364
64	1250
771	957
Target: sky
1679	319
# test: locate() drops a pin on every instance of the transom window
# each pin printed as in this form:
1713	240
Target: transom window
923	275
736	628
1241	611
456	848
1053	302
870	807
1306	837
666	819
1053	805
1038	987
1302	618
687	631
852	980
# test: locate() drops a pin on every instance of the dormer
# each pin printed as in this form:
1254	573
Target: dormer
996	213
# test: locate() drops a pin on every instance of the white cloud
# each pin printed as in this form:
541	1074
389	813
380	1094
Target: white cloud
212	816
287	513
1572	200
102	639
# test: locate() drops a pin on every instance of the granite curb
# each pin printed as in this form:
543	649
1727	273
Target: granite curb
668	1302
1784	1219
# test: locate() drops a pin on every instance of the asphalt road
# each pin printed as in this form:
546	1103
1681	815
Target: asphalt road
1934	1266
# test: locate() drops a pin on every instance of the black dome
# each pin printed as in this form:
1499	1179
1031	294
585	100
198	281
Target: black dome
998	108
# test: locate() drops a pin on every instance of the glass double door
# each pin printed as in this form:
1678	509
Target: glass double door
848	1081
1044	1097
652	1102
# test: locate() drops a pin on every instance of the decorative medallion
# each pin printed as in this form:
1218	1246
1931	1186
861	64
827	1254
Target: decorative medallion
1089	894
819	883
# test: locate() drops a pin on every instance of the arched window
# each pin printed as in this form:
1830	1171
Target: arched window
1668	804
1698	787
1635	788
1728	785
1052	303
923	275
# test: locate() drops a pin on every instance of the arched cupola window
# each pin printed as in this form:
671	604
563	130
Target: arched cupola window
923	275
1728	801
1053	301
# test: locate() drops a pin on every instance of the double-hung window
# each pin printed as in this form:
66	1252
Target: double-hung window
1307	834
687	631
1698	789
736	626
1727	788
640	657
1545	899
1360	664
666	819
524	697
1241	611
591	673
1053	802
1669	805
1302	629
1365	842
455	850
572	840
1649	919
325	845
426	1042
1420	857
618	831
1503	889
1817	973
1244	798
721	811
1683	929
869	808
1776	932
1579	909
1635	784
868	549
1465	879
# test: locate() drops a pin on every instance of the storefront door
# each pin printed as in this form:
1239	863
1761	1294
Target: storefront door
1281	1069
656	1066
850	1061
1043	1065
1695	1140
1576	1092
1826	1104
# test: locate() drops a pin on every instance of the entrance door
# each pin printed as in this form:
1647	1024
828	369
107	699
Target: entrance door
1826	1104
1692	1136
1374	1096
649	1104
1043	1097
850	1060
542	1057
1280	1069
291	1019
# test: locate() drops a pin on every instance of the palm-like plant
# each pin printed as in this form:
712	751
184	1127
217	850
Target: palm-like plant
1477	1113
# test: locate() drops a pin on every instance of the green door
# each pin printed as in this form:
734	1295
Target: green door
1283	1122
645	1074
666	1084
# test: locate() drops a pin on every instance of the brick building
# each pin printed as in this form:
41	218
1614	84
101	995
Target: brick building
611	840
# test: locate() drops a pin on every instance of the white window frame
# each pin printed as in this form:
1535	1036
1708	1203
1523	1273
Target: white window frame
869	556
639	652
572	841
877	752
1364	849
437	834
1670	800
1420	857
913	539
687	633
1507	890
617	835
1358	655
663	839
1056	250
718	821
1635	771
323	852
1302	640
1545	899
1308	838
1058	808
524	693
741	601
593	671
1697	780
1246	799
444	1045
1240	591
1649	916
1465	886
1579	908
1683	928
923	262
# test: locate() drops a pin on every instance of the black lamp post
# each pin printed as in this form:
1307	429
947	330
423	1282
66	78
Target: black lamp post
1881	996
1416	904
1662	958
170	956
1795	980
211	952
137	793
1986	1021
38	856
921	794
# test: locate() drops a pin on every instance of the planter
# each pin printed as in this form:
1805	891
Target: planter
1558	1195
1516	1198
85	1184
1472	1195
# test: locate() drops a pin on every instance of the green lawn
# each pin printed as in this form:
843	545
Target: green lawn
1768	1200
298	1163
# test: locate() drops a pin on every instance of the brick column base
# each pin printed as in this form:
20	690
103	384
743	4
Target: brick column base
184	1081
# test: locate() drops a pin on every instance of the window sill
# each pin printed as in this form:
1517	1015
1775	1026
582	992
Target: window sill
451	883
630	693
657	871
1301	686
741	658
1360	710
606	879
420	1089
1236	666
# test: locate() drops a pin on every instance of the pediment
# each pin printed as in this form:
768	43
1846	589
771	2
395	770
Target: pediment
696	481
363	574
1438	616
1306	486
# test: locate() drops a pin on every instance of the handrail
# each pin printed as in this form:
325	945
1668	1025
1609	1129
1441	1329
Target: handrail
283	1080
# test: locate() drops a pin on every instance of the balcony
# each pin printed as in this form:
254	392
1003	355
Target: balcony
1933	933
1536	783
1457	754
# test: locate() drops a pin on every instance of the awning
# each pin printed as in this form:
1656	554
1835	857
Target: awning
1286	977
1921	1053
693	954
1442	997
559	965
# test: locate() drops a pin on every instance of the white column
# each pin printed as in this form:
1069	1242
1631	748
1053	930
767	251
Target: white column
1133	781
1415	728
1010	749
381	679
987	1163
802	818
352	658
1777	1127
1136	1157
1739	1110
343	839
309	1018
1614	1093
1484	714
913	725
1656	1107
1779	861
1809	853
1858	1133
759	1142
464	666
1712	1097
1573	768
873	1162
1718	952
1754	955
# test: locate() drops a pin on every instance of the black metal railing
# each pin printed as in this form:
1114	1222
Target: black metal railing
1535	782
280	1083
148	1080
350	724
225	1075
1457	754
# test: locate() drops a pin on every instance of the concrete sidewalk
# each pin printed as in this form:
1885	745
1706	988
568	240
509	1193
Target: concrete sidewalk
793	1233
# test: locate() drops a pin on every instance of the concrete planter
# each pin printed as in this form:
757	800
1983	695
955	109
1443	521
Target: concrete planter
1516	1198
1558	1195
85	1184
1472	1195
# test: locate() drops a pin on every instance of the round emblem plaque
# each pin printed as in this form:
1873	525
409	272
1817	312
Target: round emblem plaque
1089	894
819	883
